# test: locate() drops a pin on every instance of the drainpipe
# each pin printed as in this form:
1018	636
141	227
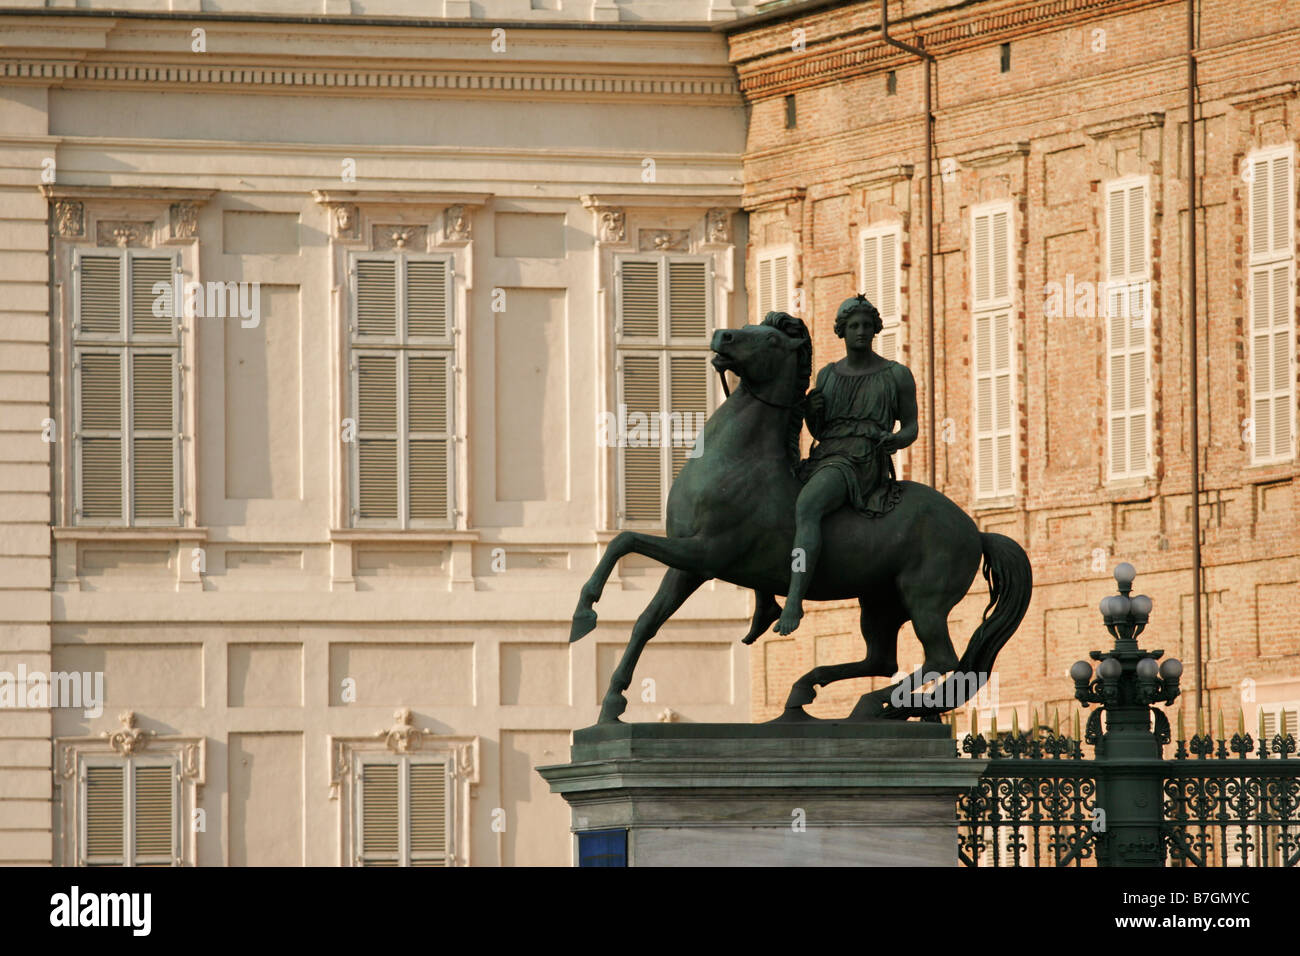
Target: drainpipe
929	221
1191	285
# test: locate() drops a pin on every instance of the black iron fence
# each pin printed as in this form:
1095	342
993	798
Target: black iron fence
1224	802
1219	801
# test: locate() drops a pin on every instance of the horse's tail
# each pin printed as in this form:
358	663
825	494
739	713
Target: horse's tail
1011	580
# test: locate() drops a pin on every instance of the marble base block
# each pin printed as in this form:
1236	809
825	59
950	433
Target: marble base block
808	794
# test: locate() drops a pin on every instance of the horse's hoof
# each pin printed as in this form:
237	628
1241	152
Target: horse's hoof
584	622
611	709
793	715
800	696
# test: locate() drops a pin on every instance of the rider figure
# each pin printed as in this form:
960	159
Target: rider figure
851	412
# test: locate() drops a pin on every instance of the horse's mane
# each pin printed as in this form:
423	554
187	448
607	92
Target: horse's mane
795	328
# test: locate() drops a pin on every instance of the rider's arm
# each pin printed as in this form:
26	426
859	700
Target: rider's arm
906	411
816	418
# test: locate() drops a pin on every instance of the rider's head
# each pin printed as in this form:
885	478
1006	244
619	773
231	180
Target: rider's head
850	307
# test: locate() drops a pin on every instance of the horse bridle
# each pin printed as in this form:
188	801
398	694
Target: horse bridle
722	374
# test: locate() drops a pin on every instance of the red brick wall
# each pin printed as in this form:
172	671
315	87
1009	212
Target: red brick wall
1089	106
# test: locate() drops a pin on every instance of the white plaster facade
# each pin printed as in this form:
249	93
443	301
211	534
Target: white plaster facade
238	632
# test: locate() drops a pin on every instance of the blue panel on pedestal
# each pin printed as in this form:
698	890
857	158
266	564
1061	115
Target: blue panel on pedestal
602	848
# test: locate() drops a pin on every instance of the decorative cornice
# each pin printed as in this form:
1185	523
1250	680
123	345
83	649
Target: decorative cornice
146	194
394	197
1263	96
993	155
660	201
840	57
882	177
774	198
1125	124
351	80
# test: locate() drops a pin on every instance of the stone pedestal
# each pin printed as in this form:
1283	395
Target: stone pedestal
814	794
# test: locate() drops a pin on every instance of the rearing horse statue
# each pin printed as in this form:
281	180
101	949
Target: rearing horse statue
731	516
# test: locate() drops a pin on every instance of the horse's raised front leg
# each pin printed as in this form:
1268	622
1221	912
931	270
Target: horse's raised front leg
686	554
676	587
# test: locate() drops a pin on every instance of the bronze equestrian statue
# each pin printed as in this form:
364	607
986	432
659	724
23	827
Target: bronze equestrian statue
739	511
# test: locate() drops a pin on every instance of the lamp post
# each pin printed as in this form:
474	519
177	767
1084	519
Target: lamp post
1127	680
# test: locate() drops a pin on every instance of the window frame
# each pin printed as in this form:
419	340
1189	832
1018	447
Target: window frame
1127	281
894	323
1266	261
989	308
665	347
403	346
127	344
772	254
404	762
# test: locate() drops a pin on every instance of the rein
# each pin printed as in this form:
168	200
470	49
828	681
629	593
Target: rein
727	392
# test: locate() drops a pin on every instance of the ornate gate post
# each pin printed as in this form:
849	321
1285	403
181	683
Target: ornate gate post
1129	767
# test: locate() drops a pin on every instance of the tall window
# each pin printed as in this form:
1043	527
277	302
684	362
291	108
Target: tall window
665	385
126	385
880	278
992	266
773	282
402	812
130	812
1272	305
400	369
1128	330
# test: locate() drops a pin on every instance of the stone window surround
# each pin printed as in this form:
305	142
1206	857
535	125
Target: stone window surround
127	742
405	738
627	224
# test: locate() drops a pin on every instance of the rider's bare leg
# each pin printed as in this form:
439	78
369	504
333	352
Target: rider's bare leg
823	493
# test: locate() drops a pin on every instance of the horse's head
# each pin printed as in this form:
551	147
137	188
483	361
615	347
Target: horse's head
773	361
778	352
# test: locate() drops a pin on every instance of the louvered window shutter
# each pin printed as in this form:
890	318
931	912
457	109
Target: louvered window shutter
426	299
781	284
1272	317
994	354
1273	716
376	298
154	819
403	392
663	373
100	296
980	268
688	382
377	435
153	441
99	435
428	436
688	314
380	815
427	814
127	391
773	284
639	392
104	807
147	273
639	299
880	286
1127	332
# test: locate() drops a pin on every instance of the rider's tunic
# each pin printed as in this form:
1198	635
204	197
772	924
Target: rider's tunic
852	403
